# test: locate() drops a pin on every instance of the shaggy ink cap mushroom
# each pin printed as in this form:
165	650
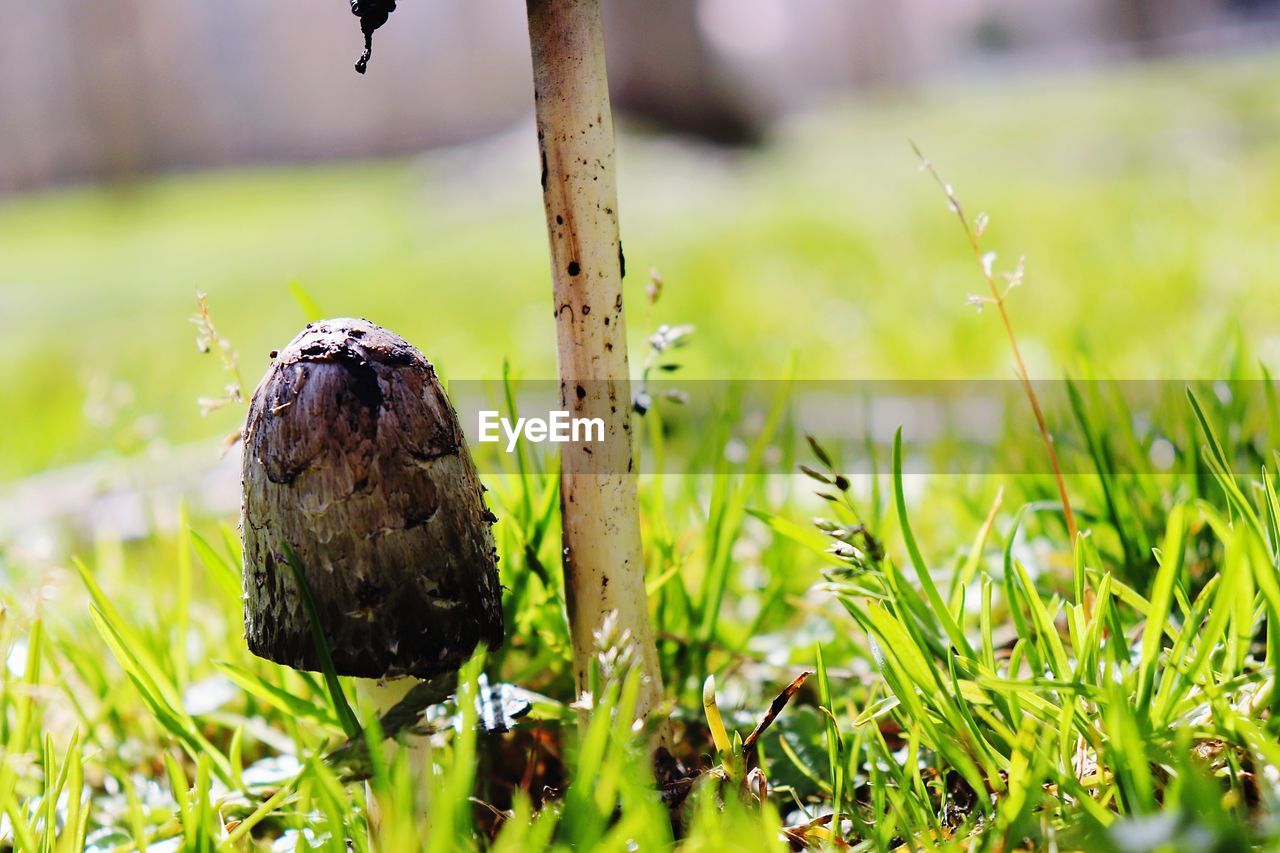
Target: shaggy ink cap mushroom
354	457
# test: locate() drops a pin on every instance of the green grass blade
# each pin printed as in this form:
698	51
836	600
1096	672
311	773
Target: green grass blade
941	612
139	649
341	707
1161	603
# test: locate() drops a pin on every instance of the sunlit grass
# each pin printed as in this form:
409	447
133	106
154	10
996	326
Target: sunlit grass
1144	200
980	678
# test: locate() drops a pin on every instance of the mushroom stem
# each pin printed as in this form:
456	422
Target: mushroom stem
380	695
603	561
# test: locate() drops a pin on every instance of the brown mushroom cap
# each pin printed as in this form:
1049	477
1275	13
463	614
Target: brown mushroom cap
353	456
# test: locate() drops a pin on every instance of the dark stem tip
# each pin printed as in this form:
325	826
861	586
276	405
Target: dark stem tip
362	64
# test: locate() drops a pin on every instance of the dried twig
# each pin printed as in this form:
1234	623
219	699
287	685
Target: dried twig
749	745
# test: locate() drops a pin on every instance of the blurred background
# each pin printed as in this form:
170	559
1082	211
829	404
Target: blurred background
115	90
1129	148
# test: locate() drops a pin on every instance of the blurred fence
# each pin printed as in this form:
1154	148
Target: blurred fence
108	89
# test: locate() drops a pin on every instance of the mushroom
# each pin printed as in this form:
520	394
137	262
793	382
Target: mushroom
354	460
603	557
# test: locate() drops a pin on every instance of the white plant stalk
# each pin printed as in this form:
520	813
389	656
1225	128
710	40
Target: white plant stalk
604	563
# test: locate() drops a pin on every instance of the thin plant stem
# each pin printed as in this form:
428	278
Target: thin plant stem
210	341
997	298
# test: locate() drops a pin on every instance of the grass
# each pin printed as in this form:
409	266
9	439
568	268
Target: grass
1143	199
981	679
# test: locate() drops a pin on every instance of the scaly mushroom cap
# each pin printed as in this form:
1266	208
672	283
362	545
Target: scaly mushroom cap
353	456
